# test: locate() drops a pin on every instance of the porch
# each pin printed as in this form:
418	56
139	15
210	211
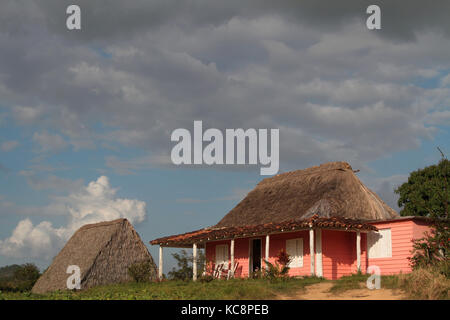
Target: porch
323	247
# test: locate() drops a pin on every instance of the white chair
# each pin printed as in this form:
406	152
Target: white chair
218	271
232	270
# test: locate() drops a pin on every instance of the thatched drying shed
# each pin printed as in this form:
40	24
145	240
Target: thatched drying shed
103	251
329	190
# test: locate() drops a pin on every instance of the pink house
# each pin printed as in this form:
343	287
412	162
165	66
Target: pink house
324	217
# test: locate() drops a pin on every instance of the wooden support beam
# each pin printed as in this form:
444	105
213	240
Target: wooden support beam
311	250
267	250
160	269
319	267
194	262
358	251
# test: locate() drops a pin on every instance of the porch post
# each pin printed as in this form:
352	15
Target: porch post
319	253
311	250
231	271
267	249
194	262
358	250
160	269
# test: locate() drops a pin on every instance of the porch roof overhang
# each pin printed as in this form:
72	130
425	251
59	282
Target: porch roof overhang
201	236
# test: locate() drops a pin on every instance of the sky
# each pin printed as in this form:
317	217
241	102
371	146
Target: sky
86	115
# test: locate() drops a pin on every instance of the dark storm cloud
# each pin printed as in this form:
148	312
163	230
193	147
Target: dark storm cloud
143	68
114	19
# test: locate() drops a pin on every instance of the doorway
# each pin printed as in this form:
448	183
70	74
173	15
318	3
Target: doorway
255	255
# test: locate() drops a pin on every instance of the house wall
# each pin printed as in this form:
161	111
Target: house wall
338	250
339	253
276	243
403	232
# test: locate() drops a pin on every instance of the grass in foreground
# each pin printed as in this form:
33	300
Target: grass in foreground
234	289
422	283
358	281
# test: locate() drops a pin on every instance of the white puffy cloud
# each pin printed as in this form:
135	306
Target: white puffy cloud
93	203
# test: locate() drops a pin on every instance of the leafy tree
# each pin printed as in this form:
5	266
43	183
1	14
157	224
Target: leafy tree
27	272
184	263
427	193
23	278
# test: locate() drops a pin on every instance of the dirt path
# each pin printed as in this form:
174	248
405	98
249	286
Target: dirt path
320	291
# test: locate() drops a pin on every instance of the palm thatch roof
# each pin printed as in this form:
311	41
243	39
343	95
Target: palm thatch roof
329	190
103	251
329	196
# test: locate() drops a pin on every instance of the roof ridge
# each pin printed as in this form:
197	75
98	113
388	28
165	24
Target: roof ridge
324	167
102	224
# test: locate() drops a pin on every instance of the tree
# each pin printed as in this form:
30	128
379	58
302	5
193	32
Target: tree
27	272
23	277
427	193
184	263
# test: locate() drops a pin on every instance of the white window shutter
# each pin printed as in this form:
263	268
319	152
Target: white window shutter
380	244
294	248
222	255
387	242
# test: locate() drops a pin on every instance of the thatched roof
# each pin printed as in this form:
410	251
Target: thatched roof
103	251
329	190
226	233
329	196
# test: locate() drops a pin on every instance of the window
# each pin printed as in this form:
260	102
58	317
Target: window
294	248
380	244
222	255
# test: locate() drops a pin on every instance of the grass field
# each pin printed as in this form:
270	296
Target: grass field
421	284
217	289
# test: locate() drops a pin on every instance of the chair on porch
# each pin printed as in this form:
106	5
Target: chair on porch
218	271
232	270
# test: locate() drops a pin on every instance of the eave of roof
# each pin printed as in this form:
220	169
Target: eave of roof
402	218
226	233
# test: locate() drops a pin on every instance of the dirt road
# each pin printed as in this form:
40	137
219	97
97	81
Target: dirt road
320	291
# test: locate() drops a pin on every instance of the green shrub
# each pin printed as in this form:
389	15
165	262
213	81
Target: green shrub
142	271
280	269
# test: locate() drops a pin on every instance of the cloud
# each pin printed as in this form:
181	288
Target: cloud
3	168
236	194
9	145
400	20
129	166
51	182
49	142
93	203
336	90
27	115
384	187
